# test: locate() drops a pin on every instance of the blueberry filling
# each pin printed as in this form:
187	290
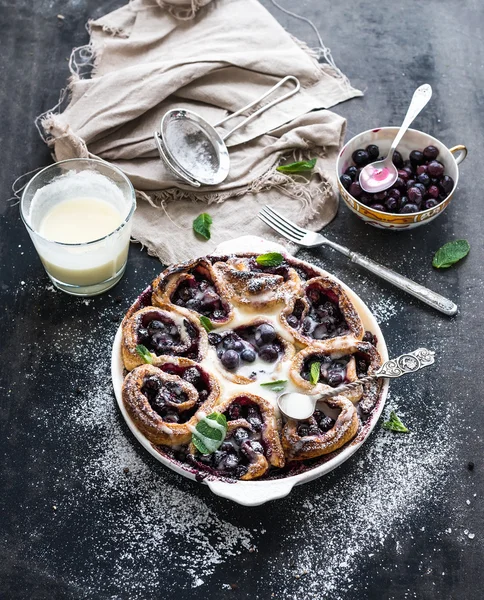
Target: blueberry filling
200	295
162	336
332	371
240	446
370	338
324	318
362	365
242	346
164	398
317	424
193	375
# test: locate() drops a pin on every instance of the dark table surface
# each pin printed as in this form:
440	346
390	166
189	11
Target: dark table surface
87	513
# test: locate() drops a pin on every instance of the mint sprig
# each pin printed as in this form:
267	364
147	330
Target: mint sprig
395	424
298	167
206	323
314	372
270	259
276	386
209	433
201	225
144	353
450	253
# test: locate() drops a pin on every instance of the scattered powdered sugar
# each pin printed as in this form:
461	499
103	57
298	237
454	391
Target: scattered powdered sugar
324	531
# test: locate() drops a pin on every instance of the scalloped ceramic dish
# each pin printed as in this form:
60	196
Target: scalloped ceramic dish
253	493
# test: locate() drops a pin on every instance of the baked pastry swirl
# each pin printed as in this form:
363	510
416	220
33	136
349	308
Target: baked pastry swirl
225	335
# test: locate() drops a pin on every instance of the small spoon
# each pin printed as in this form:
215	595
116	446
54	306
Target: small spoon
301	406
382	174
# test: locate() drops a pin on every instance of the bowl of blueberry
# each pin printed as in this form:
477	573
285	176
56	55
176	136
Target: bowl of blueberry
428	173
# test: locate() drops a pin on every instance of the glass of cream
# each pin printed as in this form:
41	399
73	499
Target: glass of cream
79	213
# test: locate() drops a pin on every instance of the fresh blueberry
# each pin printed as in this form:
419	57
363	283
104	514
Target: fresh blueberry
435	169
414	195
230	359
355	189
392	204
447	184
421	187
430	203
381	196
416	158
373	152
264	334
421	169
433	192
402	202
248	355
351	171
424	179
431	152
269	353
397	159
379	207
360	157
409	208
346	181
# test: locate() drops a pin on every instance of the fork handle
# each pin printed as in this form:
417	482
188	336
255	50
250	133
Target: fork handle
431	298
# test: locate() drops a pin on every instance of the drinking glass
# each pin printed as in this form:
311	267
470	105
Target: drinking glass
85	268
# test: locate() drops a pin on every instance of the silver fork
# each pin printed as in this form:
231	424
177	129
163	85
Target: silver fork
311	239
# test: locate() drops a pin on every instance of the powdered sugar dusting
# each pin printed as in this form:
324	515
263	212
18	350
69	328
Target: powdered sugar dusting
152	526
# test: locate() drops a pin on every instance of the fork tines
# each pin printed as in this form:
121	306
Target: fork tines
286	228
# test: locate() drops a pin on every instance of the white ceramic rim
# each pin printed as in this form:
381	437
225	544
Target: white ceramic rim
254	493
440	144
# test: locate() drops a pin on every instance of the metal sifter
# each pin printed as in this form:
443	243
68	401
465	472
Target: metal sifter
194	150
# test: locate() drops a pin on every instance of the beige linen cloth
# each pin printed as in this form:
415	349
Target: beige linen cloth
211	57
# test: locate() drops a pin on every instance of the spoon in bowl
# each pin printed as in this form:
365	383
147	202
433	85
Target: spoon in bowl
301	406
382	174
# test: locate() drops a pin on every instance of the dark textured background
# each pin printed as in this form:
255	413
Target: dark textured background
387	50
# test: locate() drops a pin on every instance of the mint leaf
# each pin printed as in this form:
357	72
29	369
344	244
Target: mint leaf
270	259
280	383
201	225
298	167
450	253
314	372
206	322
209	433
394	424
144	353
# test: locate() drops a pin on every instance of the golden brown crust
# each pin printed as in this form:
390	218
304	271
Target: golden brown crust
148	421
325	286
271	425
166	284
257	289
312	446
132	324
366	396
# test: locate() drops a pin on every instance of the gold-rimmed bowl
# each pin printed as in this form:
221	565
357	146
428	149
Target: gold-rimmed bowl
412	140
